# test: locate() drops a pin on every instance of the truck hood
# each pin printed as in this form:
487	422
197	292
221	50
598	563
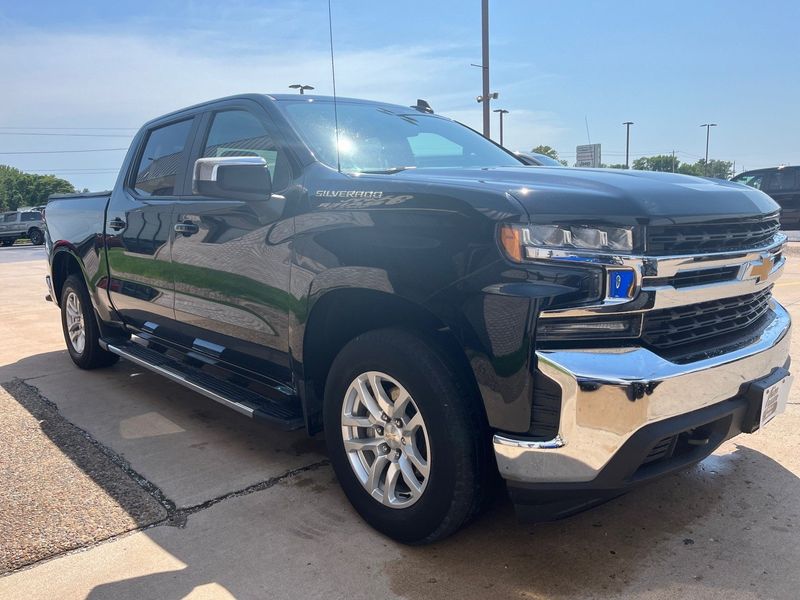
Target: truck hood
607	195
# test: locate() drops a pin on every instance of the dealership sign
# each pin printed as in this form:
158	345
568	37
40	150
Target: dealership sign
588	155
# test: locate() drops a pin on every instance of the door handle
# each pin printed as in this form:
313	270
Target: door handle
186	228
117	224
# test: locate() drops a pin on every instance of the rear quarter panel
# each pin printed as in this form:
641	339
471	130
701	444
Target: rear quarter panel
75	225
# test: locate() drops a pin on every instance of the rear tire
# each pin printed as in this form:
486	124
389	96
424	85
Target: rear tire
412	500
7	243
81	331
36	237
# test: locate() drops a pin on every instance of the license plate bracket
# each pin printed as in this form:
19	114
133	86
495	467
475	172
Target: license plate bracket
767	399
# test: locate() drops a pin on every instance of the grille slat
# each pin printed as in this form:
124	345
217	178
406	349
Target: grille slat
673	327
714	237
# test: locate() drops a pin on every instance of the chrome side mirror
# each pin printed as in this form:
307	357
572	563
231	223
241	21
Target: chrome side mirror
233	177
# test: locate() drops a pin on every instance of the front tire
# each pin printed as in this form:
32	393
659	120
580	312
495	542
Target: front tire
81	331
406	436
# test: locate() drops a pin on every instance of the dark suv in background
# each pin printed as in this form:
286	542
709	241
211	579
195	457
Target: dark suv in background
21	224
783	184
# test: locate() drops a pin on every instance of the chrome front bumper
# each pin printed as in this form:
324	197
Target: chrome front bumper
599	412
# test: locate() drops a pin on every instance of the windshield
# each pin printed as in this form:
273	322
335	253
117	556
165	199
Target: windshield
375	138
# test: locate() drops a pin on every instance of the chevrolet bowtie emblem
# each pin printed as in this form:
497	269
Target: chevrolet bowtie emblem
761	270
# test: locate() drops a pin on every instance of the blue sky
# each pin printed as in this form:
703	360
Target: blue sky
666	66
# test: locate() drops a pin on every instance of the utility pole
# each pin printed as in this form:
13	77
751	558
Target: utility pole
627	143
708	127
673	161
485	67
502	112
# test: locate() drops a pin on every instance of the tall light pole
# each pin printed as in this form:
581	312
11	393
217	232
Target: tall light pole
502	112
485	67
708	127
301	87
627	143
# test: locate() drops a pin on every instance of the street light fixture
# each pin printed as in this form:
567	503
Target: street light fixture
301	87
502	112
627	143
708	127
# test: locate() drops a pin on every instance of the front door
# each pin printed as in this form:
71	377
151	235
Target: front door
231	258
139	226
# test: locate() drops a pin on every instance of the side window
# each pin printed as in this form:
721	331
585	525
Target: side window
782	180
10	218
161	158
754	181
241	133
31	216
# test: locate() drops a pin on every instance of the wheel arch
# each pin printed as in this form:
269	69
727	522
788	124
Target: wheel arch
64	264
340	315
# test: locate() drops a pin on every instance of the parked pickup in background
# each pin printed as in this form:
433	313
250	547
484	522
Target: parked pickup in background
782	184
441	311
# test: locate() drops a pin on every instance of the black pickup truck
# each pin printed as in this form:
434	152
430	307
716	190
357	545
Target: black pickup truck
441	311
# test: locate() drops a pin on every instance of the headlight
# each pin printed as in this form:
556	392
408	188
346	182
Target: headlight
520	242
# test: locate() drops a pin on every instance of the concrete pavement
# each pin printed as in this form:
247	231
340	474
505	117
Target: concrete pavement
256	513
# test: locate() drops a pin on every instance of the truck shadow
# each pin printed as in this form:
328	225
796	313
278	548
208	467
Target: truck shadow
724	527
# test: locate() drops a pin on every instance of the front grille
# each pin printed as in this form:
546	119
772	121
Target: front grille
698	277
713	237
673	327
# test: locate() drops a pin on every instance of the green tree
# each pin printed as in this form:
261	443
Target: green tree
548	151
660	162
18	188
721	169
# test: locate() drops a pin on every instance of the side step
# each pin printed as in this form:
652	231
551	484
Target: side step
231	395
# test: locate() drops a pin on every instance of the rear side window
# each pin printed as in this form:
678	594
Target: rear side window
31	216
782	180
161	159
9	218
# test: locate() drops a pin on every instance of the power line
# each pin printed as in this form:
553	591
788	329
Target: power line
74	128
106	135
65	151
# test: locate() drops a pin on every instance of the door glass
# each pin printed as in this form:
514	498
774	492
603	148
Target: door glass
753	180
782	180
161	158
240	133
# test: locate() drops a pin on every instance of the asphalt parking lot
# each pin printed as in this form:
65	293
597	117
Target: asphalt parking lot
120	484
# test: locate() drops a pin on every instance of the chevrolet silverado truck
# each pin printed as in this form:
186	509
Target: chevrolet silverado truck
442	312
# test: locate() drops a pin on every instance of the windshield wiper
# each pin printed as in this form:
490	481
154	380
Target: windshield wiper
385	171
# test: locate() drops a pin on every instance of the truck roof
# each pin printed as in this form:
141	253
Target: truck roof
276	98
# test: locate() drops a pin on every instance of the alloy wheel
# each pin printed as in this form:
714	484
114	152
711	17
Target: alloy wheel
386	439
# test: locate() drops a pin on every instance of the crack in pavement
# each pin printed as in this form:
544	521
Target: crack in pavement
175	517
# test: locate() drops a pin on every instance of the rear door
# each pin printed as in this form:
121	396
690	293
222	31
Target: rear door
232	268
139	224
6	222
784	187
